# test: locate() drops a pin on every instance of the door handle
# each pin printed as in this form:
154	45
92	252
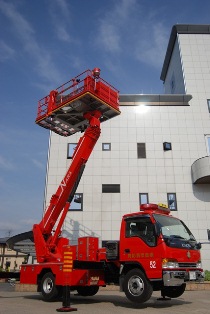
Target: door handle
127	250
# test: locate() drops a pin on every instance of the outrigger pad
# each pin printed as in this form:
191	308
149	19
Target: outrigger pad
63	111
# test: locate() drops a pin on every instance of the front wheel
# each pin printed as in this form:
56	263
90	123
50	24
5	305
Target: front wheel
137	287
174	292
49	290
87	291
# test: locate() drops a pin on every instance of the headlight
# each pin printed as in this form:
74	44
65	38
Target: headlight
199	264
170	263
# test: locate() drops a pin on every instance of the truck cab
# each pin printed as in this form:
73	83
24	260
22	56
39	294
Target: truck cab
162	248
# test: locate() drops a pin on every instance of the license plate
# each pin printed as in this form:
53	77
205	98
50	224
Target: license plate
192	275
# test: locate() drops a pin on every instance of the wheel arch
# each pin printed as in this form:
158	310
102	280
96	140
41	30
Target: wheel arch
126	268
40	276
131	265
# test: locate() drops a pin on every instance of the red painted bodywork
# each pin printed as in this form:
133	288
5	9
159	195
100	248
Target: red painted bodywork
141	253
82	104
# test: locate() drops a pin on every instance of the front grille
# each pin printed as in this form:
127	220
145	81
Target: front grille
187	265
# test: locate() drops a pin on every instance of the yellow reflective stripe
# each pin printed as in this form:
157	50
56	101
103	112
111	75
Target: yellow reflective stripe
68	260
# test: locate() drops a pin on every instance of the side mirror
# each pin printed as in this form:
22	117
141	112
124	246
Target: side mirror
198	246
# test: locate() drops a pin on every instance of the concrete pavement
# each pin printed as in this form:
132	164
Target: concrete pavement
193	302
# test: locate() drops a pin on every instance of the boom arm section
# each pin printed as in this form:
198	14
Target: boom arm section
49	245
80	104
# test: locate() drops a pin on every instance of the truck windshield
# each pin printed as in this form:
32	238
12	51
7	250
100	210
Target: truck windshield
175	232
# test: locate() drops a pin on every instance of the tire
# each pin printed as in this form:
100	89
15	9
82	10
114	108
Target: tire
174	292
49	290
87	291
137	287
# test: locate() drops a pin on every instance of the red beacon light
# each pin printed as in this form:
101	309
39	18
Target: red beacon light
158	208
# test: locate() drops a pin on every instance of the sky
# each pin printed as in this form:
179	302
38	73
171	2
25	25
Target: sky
45	43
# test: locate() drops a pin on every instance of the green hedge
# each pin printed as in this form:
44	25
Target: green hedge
207	275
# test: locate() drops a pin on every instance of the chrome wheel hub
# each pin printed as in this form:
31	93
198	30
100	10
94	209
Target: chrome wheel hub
136	286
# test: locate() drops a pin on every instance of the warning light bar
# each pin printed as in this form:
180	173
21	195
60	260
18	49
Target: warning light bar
157	208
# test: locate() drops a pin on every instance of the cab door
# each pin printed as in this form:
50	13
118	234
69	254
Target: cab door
140	244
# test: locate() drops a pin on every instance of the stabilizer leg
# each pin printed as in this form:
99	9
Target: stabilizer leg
66	301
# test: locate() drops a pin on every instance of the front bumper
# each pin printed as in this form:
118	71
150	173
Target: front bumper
178	277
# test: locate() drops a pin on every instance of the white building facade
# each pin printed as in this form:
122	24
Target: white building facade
156	151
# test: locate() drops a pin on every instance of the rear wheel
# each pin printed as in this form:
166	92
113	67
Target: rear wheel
137	287
49	290
87	291
174	292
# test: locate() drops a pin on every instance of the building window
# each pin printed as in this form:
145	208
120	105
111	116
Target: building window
77	202
141	150
143	198
208	144
110	188
70	149
106	146
208	103
172	204
167	146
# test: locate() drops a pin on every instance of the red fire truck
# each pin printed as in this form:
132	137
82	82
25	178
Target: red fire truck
155	251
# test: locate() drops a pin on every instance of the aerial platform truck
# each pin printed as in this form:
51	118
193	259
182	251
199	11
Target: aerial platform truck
155	251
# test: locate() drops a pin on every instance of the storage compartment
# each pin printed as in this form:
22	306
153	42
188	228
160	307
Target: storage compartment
87	249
